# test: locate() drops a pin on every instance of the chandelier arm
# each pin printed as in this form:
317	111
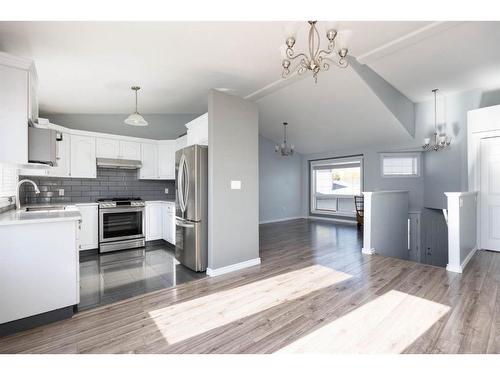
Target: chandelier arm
325	51
300	68
291	56
341	63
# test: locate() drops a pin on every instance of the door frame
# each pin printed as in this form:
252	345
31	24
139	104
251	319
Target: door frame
481	124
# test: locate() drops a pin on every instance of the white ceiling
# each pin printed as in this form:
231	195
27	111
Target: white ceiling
88	67
339	112
464	57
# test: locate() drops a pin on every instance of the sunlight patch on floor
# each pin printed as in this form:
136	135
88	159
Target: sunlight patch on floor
388	324
188	319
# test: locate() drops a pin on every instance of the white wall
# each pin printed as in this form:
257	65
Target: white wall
233	155
280	183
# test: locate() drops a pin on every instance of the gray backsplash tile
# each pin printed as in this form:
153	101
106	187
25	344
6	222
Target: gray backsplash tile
108	184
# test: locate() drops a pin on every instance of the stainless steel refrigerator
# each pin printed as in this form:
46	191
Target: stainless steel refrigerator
191	207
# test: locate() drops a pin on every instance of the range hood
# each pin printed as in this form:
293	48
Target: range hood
118	163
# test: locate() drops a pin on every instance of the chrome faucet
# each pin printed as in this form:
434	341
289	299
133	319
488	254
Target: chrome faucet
37	191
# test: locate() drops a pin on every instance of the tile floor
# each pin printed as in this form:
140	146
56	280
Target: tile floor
111	277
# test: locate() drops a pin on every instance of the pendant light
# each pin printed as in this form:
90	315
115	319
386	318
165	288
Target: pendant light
439	141
135	119
284	148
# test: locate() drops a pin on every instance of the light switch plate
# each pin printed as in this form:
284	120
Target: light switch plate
61	192
235	185
166	190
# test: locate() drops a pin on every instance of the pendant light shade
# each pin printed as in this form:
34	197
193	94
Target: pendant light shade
135	119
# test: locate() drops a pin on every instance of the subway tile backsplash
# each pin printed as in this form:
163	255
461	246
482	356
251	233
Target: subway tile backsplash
108	184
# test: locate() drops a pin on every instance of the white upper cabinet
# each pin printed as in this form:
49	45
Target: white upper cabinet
181	142
197	133
18	84
63	158
166	160
149	169
115	149
130	150
107	148
83	156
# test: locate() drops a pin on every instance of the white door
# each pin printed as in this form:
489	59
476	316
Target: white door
490	193
88	236
166	160
107	148
83	162
130	150
154	221
149	169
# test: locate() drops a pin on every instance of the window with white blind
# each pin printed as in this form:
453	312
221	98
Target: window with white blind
400	165
334	183
8	182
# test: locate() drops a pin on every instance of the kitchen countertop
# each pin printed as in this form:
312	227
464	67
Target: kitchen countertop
162	201
15	217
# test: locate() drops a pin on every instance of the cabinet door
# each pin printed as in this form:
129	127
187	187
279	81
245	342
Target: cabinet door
149	169
171	222
130	150
166	222
63	150
107	148
154	221
83	164
166	160
88	237
13	115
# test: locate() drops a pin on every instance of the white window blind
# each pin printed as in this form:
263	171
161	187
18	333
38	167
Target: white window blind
8	181
400	165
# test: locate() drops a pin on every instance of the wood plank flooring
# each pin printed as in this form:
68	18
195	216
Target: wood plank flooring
313	292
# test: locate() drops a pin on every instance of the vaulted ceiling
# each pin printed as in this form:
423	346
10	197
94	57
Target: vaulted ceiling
88	67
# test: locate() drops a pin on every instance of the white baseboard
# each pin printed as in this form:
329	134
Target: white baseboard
333	219
233	267
368	251
282	219
460	269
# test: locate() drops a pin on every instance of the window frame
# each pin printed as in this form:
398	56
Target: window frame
333	161
416	155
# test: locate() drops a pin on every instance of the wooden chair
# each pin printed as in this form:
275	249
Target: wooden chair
359	204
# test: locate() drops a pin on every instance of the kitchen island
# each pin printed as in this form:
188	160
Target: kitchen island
39	267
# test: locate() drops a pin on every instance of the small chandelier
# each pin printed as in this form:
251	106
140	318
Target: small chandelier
284	149
440	141
318	59
135	119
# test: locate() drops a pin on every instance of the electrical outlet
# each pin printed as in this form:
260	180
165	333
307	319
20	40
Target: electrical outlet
61	192
235	185
166	190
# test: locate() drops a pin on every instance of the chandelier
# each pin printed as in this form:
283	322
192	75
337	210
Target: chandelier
318	59
284	149
440	141
135	119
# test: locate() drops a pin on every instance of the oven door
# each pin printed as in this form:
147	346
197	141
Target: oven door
116	224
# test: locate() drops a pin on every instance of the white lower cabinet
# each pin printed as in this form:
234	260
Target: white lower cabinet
169	222
154	221
88	233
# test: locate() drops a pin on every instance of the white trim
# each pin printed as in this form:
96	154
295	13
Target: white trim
282	219
332	219
368	251
233	267
461	268
406	40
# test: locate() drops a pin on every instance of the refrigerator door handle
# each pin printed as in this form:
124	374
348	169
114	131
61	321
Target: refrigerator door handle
181	183
185	195
184	224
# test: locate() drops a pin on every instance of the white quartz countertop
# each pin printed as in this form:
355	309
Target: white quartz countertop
162	201
16	217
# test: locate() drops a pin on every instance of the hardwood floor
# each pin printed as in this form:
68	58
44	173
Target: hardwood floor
314	291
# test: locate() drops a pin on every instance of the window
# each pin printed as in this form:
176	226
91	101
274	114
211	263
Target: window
334	183
8	181
400	165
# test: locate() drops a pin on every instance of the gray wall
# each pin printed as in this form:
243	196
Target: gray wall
161	126
280	183
233	155
109	183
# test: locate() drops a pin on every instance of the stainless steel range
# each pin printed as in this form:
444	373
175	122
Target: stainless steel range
121	224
